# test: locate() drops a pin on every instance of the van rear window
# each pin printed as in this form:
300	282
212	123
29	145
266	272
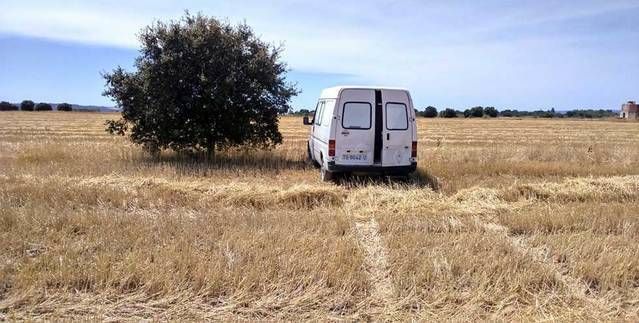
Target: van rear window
356	115
396	116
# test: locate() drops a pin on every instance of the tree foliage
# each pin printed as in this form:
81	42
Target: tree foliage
448	113
491	112
6	106
64	107
27	105
508	113
590	113
475	112
199	85
578	113
43	107
300	112
430	112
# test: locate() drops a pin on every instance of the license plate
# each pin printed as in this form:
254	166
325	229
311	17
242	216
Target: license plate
360	157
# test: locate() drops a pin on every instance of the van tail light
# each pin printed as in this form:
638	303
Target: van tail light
331	148
413	151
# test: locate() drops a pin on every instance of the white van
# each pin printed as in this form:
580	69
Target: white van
363	129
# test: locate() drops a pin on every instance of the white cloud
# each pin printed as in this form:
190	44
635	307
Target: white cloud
434	47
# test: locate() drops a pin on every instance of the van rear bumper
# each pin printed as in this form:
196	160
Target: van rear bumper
332	167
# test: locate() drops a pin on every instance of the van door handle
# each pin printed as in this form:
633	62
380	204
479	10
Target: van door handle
387	136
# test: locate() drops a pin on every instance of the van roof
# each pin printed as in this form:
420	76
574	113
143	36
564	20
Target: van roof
333	92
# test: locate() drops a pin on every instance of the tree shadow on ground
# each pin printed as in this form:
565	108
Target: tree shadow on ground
418	179
242	161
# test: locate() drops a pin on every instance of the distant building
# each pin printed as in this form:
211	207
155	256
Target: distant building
630	111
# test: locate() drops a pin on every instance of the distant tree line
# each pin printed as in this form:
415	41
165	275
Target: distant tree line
28	105
43	107
6	106
492	112
301	112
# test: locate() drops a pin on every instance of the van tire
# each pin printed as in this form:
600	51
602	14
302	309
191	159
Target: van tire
326	176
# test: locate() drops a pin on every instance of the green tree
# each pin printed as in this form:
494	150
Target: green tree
27	105
448	113
201	85
508	113
590	113
491	112
64	107
430	112
43	107
477	112
302	112
6	106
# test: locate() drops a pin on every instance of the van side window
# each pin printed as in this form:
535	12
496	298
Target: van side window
318	112
356	115
396	116
327	112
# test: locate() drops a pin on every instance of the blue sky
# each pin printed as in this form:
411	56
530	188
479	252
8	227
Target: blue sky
509	54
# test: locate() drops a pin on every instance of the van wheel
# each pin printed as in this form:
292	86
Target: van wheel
326	176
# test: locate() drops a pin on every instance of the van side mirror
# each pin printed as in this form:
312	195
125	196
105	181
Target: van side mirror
306	121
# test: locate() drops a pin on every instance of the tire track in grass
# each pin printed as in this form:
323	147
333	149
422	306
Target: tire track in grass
575	287
483	203
376	260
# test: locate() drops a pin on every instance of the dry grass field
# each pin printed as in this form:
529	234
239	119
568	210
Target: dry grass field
505	220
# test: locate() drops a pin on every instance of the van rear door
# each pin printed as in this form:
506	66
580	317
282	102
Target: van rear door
354	142
398	128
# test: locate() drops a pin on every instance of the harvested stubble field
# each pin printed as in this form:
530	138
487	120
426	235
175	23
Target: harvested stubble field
507	219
